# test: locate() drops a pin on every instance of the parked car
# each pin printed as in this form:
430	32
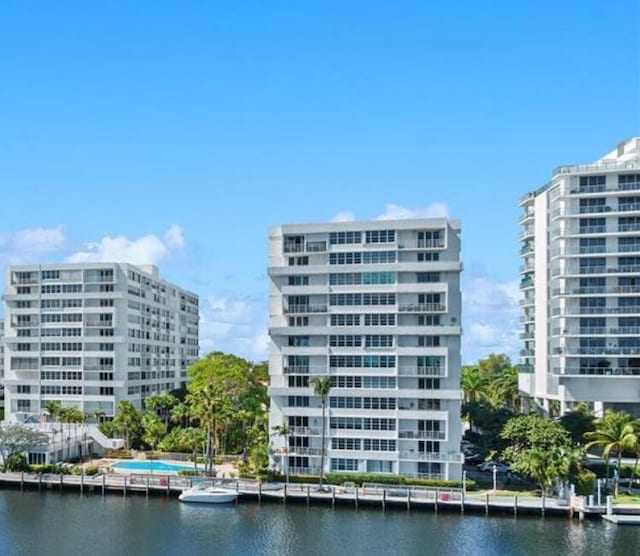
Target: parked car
472	459
489	465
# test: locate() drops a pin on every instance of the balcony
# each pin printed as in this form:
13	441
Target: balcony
422	435
422	308
527	267
305	431
454	457
528	335
310	308
304	370
528	248
596	371
422	244
603	351
526	283
308	247
631	310
527	233
423	371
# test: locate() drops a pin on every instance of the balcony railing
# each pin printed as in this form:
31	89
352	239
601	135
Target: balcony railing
596	371
602	351
305	431
310	308
605	310
304	370
422	435
422	308
422	244
308	247
431	456
423	371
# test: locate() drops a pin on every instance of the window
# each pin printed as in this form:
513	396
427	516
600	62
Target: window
429	383
24	389
345	423
298	261
380	319
298	321
428	320
428	341
383	341
345	320
379	424
428	257
298	401
298	281
345	341
345	402
427	277
299	341
381	236
298	381
379	445
379	361
50	275
343	238
345	443
343	464
429	404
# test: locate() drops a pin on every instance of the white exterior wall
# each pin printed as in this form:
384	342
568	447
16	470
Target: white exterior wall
91	335
411	445
587	284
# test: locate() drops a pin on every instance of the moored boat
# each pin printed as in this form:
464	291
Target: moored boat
210	495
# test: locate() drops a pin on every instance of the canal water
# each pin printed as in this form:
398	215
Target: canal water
33	523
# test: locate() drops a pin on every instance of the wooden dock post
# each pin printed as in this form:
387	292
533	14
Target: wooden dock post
168	485
61	481
22	480
104	481
435	502
82	482
308	494
284	498
542	507
147	485
356	498
384	497
462	502
124	486
515	505
408	500
39	481
486	504
259	491
333	497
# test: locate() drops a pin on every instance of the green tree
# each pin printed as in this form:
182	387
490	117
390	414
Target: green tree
162	404
615	432
154	429
128	422
16	439
578	422
321	388
473	384
539	448
284	430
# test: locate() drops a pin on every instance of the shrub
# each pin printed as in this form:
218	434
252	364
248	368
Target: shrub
91	470
585	482
120	454
17	462
188	472
50	468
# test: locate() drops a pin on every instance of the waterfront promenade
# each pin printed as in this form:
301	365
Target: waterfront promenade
380	496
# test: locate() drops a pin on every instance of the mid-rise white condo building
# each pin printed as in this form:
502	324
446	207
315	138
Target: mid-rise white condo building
90	335
375	306
581	284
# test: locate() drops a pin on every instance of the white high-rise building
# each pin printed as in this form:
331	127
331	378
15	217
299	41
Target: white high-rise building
376	307
581	284
91	335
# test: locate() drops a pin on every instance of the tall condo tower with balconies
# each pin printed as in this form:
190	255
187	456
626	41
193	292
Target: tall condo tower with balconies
581	285
375	306
91	335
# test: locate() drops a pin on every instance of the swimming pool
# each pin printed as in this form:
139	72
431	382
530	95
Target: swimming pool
150	466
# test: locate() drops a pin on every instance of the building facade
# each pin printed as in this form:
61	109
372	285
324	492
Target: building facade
376	307
581	286
91	335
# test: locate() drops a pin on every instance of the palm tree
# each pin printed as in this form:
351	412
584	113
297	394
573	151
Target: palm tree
285	431
614	432
635	448
322	387
473	384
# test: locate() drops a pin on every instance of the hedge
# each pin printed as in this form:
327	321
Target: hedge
359	478
600	469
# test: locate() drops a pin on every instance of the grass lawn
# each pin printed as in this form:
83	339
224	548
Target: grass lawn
627	499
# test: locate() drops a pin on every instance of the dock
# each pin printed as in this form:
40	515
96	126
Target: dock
620	519
379	496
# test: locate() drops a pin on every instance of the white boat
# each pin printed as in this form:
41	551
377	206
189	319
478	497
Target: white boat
209	495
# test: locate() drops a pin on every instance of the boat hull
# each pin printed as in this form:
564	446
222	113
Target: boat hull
208	497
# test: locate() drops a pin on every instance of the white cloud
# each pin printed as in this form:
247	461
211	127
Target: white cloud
236	324
490	317
344	216
396	212
31	245
149	249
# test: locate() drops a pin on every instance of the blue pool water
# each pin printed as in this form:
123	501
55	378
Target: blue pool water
150	466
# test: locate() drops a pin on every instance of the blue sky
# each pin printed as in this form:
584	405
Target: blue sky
184	130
